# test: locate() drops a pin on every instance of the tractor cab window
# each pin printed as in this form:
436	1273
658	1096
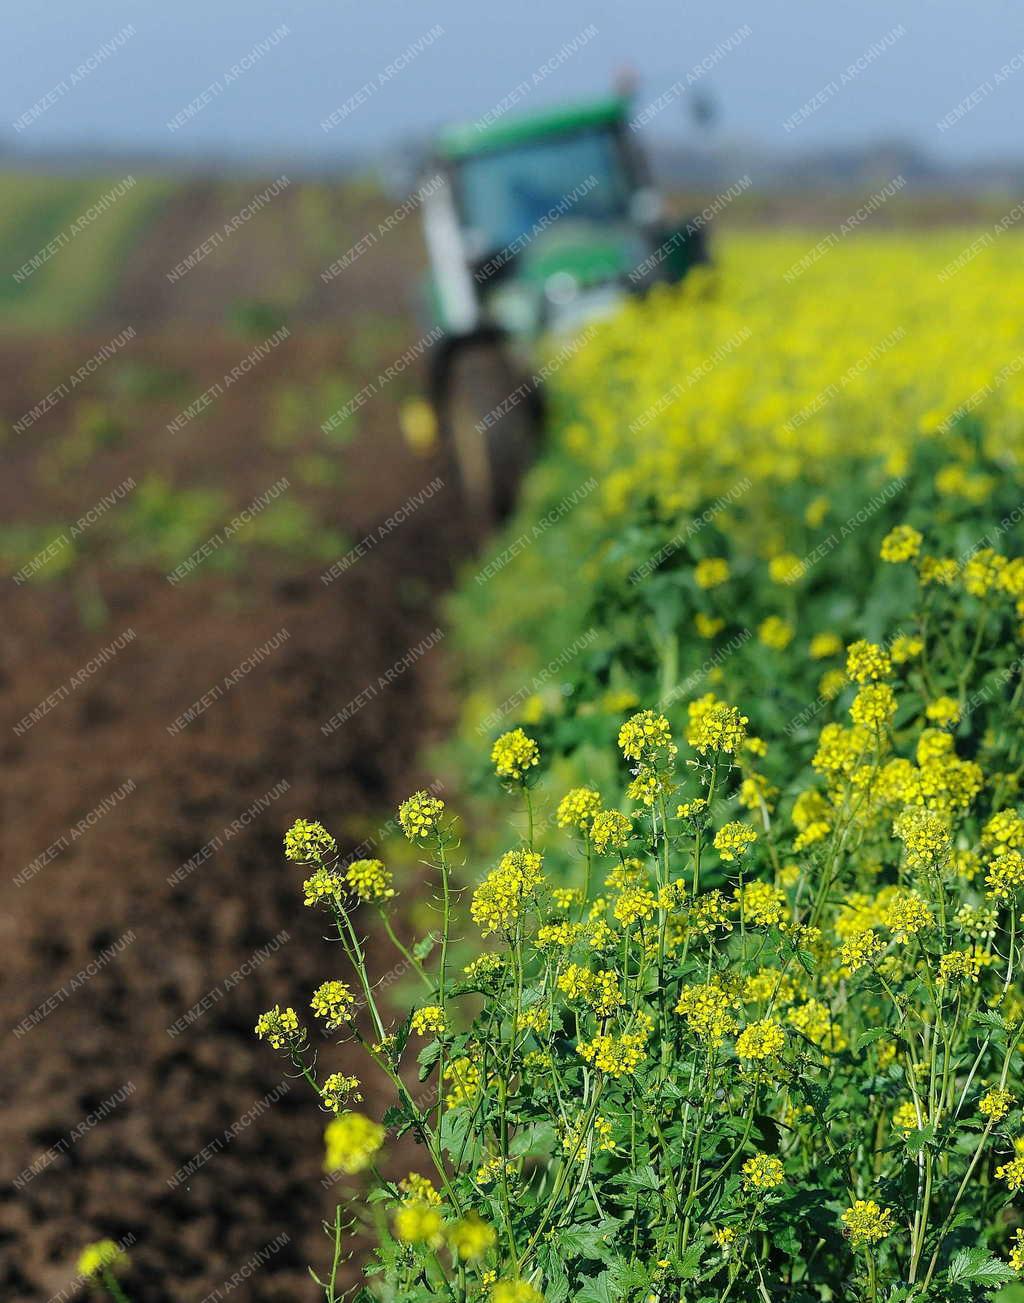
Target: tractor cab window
503	195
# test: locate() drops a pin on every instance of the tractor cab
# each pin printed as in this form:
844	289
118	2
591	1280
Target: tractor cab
544	222
535	226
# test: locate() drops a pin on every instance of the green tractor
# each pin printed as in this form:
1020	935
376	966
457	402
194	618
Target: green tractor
534	225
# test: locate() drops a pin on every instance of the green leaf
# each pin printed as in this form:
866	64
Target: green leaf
689	1263
398	1118
870	1036
979	1267
556	1279
534	1139
599	1290
423	947
920	1139
592	1241
427	1057
454	1128
644	1178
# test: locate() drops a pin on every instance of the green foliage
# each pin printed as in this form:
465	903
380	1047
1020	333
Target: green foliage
743	1024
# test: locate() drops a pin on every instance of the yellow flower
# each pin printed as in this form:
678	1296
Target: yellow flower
578	807
760	1040
419	1223
943	711
352	1140
515	1291
514	754
996	1103
334	1002
492	1169
814	1021
610	830
101	1256
337	1088
734	839
905	1118
786	568
645	736
324	884
420	816
874	706
938	570
860	949
465	1079
370	880
634	905
902	543
866	662
824	645
470	1237
428	1020
707	1010
710	572
866	1222
708	626
1012	1173
575	1143
307	841
278	1026
958	966
905	648
566	897
1005	830
769	984
761	904
616	1057
925	835
789	875
599	990
906	914
775	632
1005	875
419	1188
1017	1251
692	809
711	913
831	683
981	573
714	726
756	793
763	1172
501	899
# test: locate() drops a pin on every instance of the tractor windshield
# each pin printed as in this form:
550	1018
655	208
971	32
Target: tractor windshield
505	194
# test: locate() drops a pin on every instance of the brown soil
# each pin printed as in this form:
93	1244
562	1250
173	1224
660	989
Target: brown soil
107	1035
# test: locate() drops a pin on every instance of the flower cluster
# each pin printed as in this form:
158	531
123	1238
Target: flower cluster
514	754
420	816
500	900
793	986
307	842
352	1140
280	1027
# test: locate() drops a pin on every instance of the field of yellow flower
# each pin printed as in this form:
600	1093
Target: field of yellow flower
734	1010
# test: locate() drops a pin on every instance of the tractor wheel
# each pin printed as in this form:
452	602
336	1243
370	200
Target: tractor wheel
491	425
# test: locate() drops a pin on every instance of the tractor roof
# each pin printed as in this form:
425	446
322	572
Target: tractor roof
493	132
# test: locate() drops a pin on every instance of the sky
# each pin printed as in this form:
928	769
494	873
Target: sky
786	74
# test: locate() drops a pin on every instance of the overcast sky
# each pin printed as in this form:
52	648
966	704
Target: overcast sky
851	73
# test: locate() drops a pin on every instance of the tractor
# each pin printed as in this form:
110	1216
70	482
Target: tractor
535	226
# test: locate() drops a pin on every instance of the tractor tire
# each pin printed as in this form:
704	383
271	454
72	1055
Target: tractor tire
492	428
